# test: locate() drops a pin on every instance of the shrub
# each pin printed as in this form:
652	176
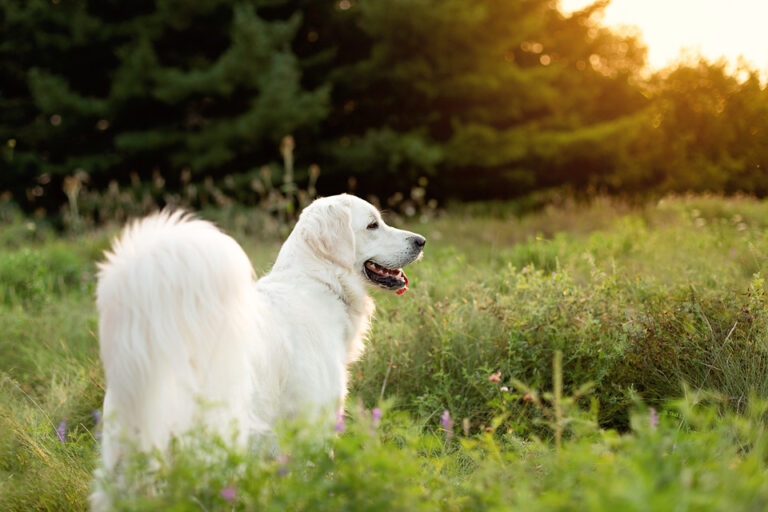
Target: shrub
32	275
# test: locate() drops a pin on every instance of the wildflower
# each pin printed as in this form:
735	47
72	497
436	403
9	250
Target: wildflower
375	417
340	425
447	423
228	493
495	377
504	389
61	431
96	423
282	461
653	418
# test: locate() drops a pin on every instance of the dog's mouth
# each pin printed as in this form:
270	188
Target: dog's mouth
387	278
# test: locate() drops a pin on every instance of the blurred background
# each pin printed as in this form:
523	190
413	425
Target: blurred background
111	108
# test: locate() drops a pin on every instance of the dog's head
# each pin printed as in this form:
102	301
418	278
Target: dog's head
349	232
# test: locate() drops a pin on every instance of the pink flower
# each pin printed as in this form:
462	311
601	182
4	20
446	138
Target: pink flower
228	493
375	417
282	461
494	377
340	425
447	423
653	418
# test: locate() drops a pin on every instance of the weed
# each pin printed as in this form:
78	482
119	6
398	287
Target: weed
636	300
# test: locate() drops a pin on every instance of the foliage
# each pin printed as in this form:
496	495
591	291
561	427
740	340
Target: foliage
712	462
716	125
637	300
484	100
277	195
122	92
471	88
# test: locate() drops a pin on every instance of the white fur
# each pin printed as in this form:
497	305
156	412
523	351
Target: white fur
188	337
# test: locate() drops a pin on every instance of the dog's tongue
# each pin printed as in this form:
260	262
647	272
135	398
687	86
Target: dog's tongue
405	286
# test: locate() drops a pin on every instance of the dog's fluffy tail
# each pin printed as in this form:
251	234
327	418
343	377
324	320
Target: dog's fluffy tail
174	299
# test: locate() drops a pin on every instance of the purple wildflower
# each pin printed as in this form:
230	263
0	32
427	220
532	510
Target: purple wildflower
229	493
97	423
375	417
61	431
447	423
340	425
653	418
282	461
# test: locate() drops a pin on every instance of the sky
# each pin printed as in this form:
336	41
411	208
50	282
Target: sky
714	28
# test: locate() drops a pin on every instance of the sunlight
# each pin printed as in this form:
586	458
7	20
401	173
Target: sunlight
714	28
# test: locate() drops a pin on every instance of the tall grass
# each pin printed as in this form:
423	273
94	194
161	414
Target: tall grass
638	300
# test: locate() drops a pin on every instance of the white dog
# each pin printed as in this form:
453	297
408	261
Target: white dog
188	336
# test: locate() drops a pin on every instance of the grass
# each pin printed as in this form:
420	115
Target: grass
637	300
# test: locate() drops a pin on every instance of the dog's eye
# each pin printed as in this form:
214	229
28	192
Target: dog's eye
373	225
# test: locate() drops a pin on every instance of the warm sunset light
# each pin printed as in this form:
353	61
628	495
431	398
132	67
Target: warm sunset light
714	28
583	182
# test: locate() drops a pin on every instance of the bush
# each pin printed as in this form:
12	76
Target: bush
689	458
662	296
637	299
33	275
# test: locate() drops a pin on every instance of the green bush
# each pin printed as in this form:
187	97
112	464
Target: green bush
637	299
660	296
692	458
32	275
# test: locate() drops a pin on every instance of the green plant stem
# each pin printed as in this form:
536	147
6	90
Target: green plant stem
557	385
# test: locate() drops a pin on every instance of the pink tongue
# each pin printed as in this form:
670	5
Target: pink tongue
404	288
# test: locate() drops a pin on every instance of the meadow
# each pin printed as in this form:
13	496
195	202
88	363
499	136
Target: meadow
599	356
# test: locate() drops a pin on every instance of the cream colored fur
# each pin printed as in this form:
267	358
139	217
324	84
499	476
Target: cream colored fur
188	337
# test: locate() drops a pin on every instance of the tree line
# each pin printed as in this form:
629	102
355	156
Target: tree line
483	99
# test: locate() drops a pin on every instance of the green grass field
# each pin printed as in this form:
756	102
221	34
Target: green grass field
659	313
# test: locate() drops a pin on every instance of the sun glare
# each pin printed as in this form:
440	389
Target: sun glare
713	28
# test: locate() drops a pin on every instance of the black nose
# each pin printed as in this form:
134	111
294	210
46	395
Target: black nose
419	241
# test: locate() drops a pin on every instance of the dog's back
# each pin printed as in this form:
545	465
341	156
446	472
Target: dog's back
174	299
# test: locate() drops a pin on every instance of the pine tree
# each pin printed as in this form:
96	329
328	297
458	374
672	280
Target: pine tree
114	88
484	94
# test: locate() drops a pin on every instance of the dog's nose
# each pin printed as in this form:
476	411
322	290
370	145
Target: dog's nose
419	241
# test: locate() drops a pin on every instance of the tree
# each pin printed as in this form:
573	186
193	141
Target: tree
715	128
485	98
484	94
114	88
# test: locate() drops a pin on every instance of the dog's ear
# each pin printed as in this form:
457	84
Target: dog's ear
326	227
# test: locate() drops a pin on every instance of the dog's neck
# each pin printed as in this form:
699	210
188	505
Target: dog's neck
336	293
343	282
347	287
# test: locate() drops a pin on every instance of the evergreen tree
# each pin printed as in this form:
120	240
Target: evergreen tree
488	94
712	129
113	88
486	98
